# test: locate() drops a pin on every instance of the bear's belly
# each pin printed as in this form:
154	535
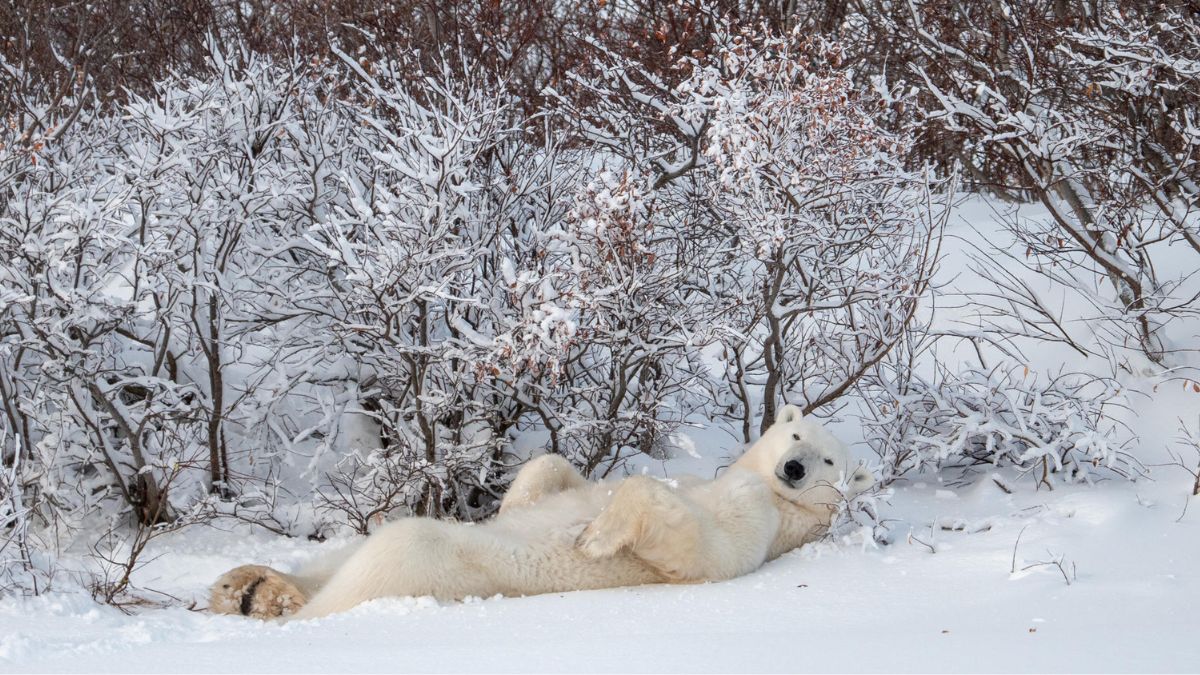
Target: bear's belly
532	550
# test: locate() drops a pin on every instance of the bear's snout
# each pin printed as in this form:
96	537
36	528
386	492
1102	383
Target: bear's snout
794	470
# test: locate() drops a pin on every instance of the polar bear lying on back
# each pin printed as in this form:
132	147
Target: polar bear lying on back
558	532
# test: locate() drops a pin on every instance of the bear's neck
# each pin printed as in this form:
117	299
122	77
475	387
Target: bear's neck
798	525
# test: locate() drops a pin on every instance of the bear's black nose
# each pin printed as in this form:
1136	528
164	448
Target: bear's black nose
793	470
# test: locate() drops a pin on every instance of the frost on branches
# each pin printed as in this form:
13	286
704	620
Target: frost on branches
817	244
831	243
1053	429
1090	112
626	263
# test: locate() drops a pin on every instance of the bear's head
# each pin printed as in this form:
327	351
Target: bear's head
804	464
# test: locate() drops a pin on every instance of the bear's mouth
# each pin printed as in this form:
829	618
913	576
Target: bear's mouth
799	499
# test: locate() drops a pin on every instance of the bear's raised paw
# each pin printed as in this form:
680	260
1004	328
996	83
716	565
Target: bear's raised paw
257	591
601	539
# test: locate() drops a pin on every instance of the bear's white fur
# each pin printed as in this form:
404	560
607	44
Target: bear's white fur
558	532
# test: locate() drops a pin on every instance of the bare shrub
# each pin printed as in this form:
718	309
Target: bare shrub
1046	427
1189	438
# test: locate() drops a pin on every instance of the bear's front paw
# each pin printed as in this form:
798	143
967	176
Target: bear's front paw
257	591
598	541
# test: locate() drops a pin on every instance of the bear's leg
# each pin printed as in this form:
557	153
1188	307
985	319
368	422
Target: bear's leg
408	557
656	524
257	591
541	476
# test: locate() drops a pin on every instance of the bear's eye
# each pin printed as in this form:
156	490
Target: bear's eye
796	437
829	462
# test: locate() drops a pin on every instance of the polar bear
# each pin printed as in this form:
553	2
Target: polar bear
558	532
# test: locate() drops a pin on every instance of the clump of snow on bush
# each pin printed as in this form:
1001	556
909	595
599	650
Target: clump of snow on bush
1052	428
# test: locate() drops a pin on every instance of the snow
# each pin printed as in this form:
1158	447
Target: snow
832	606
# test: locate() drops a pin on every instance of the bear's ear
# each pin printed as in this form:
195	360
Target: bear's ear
790	413
861	480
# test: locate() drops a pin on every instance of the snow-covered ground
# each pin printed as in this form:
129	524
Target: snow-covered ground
1131	604
967	583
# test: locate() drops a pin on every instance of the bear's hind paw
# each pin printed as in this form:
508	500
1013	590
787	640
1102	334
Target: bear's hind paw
257	591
